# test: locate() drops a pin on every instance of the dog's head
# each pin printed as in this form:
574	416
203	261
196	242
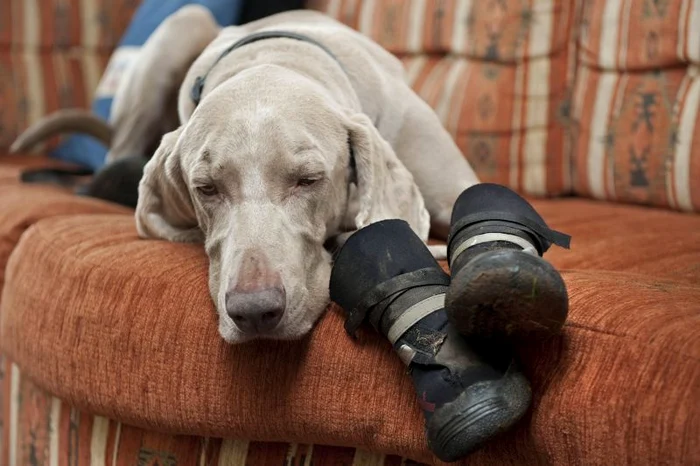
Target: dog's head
267	170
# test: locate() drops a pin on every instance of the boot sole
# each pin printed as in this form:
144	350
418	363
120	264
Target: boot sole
507	294
482	412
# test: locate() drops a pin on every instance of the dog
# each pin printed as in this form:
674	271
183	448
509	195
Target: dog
285	143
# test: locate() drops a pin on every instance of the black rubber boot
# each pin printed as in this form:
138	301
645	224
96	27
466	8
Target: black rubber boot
501	286
384	274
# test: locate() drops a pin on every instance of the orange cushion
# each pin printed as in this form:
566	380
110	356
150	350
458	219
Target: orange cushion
639	35
637	139
125	328
624	238
23	205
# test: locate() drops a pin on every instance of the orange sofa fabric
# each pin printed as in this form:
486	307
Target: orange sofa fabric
125	328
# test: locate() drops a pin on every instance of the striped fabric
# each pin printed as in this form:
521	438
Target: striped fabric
510	129
498	73
64	24
40	429
52	54
639	34
540	95
491	29
636	103
35	82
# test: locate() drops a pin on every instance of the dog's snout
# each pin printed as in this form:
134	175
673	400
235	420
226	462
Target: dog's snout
257	300
258	311
255	274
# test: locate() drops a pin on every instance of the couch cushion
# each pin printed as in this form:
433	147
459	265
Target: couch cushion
640	240
635	104
24	205
95	24
125	328
503	89
639	34
636	140
52	432
481	30
52	55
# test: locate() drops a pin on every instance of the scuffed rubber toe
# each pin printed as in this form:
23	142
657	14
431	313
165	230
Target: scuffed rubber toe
482	412
507	294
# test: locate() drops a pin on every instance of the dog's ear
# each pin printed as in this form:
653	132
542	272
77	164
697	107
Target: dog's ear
164	209
385	187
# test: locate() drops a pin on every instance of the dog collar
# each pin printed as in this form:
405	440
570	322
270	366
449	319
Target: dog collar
198	87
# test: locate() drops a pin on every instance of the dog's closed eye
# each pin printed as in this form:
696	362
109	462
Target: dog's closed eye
306	181
207	190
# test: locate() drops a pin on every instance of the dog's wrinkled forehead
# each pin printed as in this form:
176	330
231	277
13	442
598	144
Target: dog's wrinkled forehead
262	112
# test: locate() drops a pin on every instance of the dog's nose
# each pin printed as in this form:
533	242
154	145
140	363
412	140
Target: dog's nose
258	311
257	300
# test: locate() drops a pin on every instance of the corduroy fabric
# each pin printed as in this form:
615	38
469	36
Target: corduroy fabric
125	328
21	206
623	238
11	166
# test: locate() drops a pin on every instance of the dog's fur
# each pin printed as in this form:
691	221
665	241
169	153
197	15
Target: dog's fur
260	171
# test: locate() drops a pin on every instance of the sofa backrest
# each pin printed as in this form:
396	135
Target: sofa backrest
498	73
596	98
52	54
637	132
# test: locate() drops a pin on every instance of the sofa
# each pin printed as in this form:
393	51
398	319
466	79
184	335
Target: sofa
589	108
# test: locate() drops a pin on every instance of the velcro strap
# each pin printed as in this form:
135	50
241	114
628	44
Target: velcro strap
413	314
552	236
421	277
490	237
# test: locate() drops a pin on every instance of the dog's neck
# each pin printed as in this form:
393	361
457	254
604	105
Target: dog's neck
200	81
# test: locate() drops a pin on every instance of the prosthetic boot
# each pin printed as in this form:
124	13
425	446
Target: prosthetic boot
385	274
501	287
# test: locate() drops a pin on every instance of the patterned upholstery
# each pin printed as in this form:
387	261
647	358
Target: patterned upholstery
52	54
636	103
128	332
595	97
498	73
536	98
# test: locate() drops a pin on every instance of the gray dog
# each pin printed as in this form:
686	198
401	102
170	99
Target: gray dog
290	132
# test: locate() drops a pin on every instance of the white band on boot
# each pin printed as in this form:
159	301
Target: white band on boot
413	314
489	237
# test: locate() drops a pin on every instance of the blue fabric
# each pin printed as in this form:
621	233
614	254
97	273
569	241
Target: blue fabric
83	149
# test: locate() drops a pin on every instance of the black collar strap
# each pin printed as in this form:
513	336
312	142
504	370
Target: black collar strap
198	87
